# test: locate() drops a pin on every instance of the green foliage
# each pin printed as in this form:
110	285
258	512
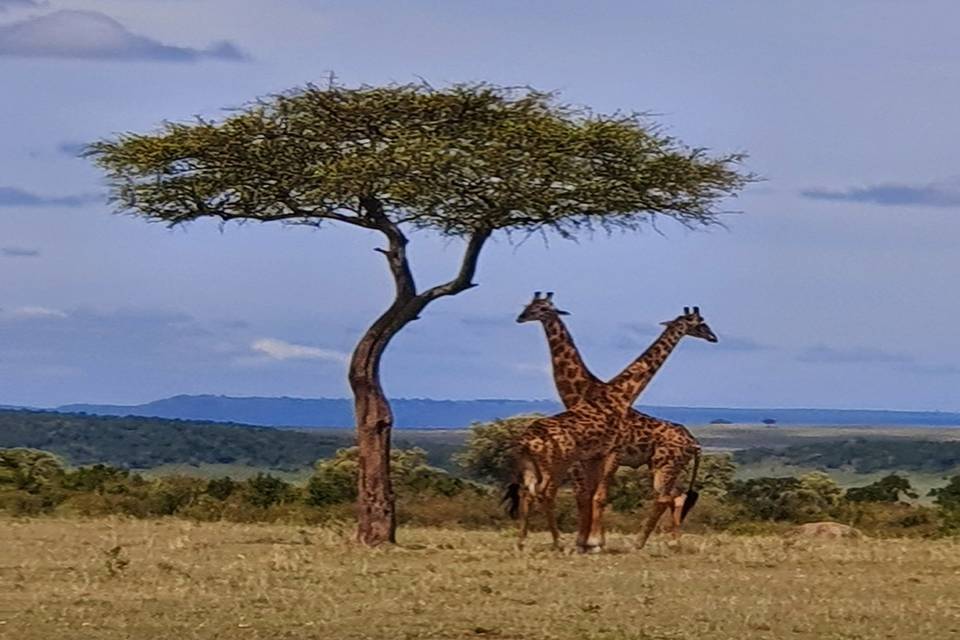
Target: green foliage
887	489
28	469
264	490
141	443
221	488
862	455
487	455
433	497
169	495
810	497
101	478
459	160
948	497
335	480
631	490
716	474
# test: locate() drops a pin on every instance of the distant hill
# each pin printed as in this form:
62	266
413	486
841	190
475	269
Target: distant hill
319	412
415	413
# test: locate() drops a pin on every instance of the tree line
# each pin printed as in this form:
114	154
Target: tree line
35	482
862	455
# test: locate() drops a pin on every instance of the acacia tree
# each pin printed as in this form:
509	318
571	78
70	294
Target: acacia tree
464	161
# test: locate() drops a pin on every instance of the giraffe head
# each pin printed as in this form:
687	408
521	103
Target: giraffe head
693	325
540	308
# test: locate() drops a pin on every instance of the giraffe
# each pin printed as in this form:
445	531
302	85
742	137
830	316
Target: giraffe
665	446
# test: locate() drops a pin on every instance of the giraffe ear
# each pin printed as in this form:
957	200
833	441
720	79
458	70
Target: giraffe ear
666	323
561	312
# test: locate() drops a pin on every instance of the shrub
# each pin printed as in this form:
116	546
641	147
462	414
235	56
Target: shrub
264	490
891	518
22	503
221	488
487	454
631	489
101	478
887	489
948	497
29	470
168	495
335	480
813	496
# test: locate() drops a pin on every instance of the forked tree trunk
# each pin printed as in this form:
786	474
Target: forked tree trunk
376	508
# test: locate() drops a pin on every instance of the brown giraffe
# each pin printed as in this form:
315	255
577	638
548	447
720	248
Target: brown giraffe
666	447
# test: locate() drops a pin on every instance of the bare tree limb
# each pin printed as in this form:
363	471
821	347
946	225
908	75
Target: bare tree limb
468	267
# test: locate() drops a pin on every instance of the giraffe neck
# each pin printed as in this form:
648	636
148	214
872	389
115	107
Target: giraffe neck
629	383
570	374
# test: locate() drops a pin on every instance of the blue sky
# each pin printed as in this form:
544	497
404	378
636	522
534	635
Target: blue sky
835	285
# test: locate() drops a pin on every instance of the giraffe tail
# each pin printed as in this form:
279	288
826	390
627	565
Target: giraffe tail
526	477
511	500
692	496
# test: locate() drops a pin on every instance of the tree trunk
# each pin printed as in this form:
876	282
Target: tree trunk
376	516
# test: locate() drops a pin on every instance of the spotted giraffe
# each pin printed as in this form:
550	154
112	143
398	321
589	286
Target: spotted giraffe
641	439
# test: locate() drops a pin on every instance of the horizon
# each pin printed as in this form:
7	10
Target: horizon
505	399
829	288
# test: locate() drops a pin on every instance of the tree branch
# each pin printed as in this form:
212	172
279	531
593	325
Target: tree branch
396	251
468	267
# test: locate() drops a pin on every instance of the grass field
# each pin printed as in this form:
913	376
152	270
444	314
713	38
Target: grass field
115	578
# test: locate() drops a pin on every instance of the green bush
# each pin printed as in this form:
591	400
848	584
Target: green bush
811	497
334	480
887	489
101	478
221	488
169	495
487	454
264	490
29	470
948	497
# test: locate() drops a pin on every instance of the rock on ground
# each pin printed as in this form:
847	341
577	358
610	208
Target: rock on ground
825	530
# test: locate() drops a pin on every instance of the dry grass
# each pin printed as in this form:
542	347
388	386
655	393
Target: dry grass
114	578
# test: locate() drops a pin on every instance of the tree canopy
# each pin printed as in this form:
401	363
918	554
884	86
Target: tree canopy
458	160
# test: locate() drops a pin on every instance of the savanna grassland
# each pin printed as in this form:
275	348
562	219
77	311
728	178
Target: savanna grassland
168	578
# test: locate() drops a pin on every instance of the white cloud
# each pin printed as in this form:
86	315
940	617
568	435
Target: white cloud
34	312
281	350
529	368
94	36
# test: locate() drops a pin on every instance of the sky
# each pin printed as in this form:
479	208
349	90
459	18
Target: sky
833	285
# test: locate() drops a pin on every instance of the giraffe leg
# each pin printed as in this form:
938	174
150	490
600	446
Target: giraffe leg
659	506
607	468
664	488
676	511
584	475
524	516
549	510
529	479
